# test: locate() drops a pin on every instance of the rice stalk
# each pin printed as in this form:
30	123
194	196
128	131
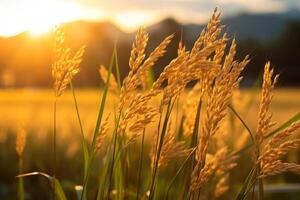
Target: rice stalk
20	146
64	68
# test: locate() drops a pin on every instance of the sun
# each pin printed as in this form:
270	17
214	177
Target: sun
40	16
37	17
52	13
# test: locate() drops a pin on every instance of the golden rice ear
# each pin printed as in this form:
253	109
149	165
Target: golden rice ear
137	53
270	162
65	66
102	134
277	167
200	176
158	52
264	116
209	34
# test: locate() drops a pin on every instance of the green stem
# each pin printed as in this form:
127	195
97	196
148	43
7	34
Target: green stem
98	123
140	165
117	68
161	139
115	134
84	146
250	186
20	192
178	172
281	127
243	122
112	164
77	110
54	146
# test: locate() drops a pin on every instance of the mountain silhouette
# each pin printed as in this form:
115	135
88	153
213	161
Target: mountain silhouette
25	61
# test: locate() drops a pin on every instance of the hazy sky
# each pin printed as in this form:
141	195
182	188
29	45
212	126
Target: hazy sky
39	15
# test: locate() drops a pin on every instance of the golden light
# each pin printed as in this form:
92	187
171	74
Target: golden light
131	20
38	16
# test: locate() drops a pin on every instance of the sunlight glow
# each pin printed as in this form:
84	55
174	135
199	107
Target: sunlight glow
131	20
38	16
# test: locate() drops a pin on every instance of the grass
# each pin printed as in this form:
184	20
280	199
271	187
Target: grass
223	144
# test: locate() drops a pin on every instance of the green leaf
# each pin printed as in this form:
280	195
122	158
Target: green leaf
85	157
285	125
243	122
245	187
102	178
185	162
117	68
194	141
103	100
98	123
119	179
159	147
59	193
280	128
84	144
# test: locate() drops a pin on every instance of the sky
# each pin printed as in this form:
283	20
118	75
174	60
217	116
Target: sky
38	16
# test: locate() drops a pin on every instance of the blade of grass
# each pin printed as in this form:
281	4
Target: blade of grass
251	185
196	129
102	178
103	100
105	174
285	125
117	67
54	144
280	128
98	123
34	174
116	163
245	187
113	156
59	193
157	138
179	171
118	172
109	166
195	139
162	135
242	121
140	166
20	192
84	144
